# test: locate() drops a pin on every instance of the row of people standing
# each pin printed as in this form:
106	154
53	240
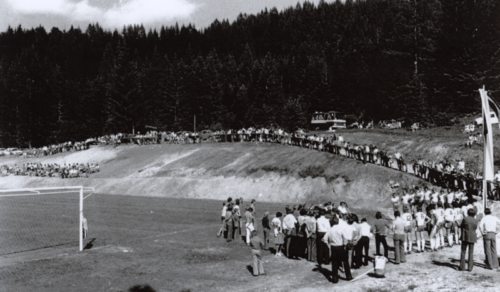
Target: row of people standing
445	218
235	223
323	234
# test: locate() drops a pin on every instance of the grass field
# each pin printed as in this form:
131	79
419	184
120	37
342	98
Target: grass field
167	243
170	244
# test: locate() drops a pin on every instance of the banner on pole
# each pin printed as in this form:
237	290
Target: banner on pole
490	116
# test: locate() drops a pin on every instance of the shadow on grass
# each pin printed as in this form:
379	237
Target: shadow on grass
250	269
374	275
476	264
90	244
446	264
326	273
143	288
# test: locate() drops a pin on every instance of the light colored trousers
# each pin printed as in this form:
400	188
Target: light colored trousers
490	249
258	267
249	228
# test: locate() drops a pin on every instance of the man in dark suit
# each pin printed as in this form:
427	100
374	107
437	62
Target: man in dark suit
469	238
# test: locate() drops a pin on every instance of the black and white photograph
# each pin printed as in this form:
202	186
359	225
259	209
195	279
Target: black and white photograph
249	145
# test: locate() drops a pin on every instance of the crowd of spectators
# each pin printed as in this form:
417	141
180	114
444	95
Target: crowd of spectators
71	170
302	231
424	220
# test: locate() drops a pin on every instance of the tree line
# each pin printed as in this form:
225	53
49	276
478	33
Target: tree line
373	59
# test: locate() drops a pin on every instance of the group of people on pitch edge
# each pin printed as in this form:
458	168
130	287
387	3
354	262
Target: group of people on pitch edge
444	218
320	233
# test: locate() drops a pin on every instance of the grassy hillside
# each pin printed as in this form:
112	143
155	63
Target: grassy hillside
445	143
266	172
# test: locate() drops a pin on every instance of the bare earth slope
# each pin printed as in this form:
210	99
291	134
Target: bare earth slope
267	172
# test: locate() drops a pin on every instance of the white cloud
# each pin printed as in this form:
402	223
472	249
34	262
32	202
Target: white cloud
123	13
82	11
144	11
34	7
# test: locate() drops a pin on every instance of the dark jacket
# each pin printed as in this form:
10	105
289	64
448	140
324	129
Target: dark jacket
469	226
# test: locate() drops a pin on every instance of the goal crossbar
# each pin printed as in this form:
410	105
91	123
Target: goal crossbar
56	190
44	189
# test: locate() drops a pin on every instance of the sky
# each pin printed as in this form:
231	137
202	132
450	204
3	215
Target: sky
113	14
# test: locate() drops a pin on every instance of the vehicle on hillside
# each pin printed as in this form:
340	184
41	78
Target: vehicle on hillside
392	124
91	141
327	120
206	135
493	118
13	151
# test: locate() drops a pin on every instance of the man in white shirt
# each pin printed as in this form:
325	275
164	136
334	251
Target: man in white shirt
439	214
363	245
497	176
488	227
223	214
351	234
335	238
289	230
408	243
406	200
435	197
427	196
450	197
343	209
311	226
396	202
249	224
322	227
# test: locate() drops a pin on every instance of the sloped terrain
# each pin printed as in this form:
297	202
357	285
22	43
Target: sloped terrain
435	144
267	172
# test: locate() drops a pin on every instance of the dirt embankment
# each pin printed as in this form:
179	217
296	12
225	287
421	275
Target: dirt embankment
266	172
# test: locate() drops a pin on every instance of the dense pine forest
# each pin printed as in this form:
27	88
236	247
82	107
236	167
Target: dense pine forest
419	60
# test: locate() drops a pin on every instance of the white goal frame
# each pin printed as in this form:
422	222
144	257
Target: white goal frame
56	190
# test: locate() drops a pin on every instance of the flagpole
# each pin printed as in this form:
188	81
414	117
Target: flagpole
485	143
488	158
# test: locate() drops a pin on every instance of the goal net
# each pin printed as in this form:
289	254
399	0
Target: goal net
38	218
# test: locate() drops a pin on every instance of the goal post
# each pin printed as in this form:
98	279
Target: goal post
17	207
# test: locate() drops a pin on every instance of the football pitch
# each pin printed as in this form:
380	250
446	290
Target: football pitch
169	244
